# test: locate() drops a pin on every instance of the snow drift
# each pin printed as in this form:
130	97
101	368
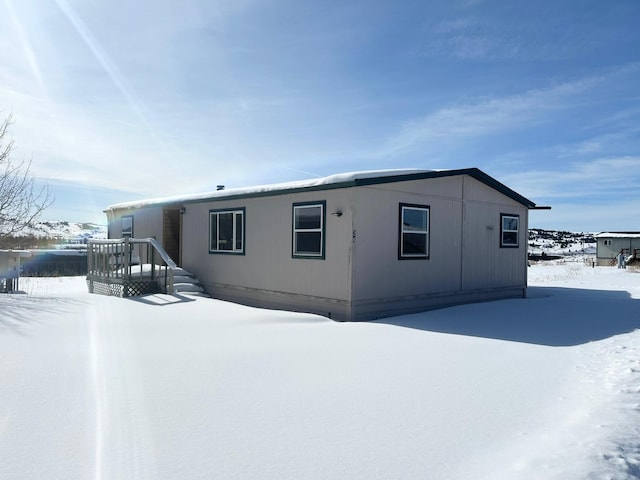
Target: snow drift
188	387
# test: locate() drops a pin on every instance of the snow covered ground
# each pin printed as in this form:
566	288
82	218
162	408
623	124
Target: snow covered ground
164	387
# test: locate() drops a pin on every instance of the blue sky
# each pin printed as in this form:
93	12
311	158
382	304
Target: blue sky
120	100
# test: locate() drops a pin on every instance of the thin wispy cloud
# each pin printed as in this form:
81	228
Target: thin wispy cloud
25	43
582	180
117	77
520	32
485	116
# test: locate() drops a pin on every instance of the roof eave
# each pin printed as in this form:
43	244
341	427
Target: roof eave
472	172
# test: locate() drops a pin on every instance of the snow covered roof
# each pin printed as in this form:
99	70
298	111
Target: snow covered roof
341	180
618	235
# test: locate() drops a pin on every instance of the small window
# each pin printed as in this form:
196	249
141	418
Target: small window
127	226
414	232
509	232
308	230
226	231
607	243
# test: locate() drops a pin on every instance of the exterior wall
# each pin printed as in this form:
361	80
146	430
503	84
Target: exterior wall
486	264
147	222
606	254
267	275
378	272
360	277
465	261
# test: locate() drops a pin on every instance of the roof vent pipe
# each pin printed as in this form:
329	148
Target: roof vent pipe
219	187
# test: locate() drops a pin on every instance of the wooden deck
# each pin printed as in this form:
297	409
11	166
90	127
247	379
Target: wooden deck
128	267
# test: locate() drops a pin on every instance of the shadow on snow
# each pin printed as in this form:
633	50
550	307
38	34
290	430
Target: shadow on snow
18	311
161	299
552	316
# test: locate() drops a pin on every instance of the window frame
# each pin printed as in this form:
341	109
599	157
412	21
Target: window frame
129	233
401	232
503	244
241	211
322	230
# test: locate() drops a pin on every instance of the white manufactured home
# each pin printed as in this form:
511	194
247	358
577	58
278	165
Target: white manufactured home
610	244
353	246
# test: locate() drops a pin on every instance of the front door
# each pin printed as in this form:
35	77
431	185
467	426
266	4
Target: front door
171	229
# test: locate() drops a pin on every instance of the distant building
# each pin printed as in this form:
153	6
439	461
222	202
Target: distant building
10	269
352	246
609	245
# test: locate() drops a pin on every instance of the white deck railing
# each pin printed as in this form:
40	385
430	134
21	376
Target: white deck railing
129	267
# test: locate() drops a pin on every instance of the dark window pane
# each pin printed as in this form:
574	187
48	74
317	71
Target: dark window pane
509	238
225	234
414	244
308	217
308	243
414	219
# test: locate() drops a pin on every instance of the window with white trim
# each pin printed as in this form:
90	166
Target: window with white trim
413	240
126	224
509	230
226	231
308	230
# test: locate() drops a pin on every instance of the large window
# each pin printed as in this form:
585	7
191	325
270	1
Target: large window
509	229
413	240
308	230
226	231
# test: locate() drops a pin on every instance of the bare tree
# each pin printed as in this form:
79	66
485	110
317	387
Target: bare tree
21	200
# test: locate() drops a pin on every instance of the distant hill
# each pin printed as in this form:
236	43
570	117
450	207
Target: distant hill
560	243
47	234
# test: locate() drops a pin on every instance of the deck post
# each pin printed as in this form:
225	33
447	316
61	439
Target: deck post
125	255
153	262
126	267
90	265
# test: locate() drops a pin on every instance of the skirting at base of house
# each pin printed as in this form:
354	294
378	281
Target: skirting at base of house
343	310
391	307
327	307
